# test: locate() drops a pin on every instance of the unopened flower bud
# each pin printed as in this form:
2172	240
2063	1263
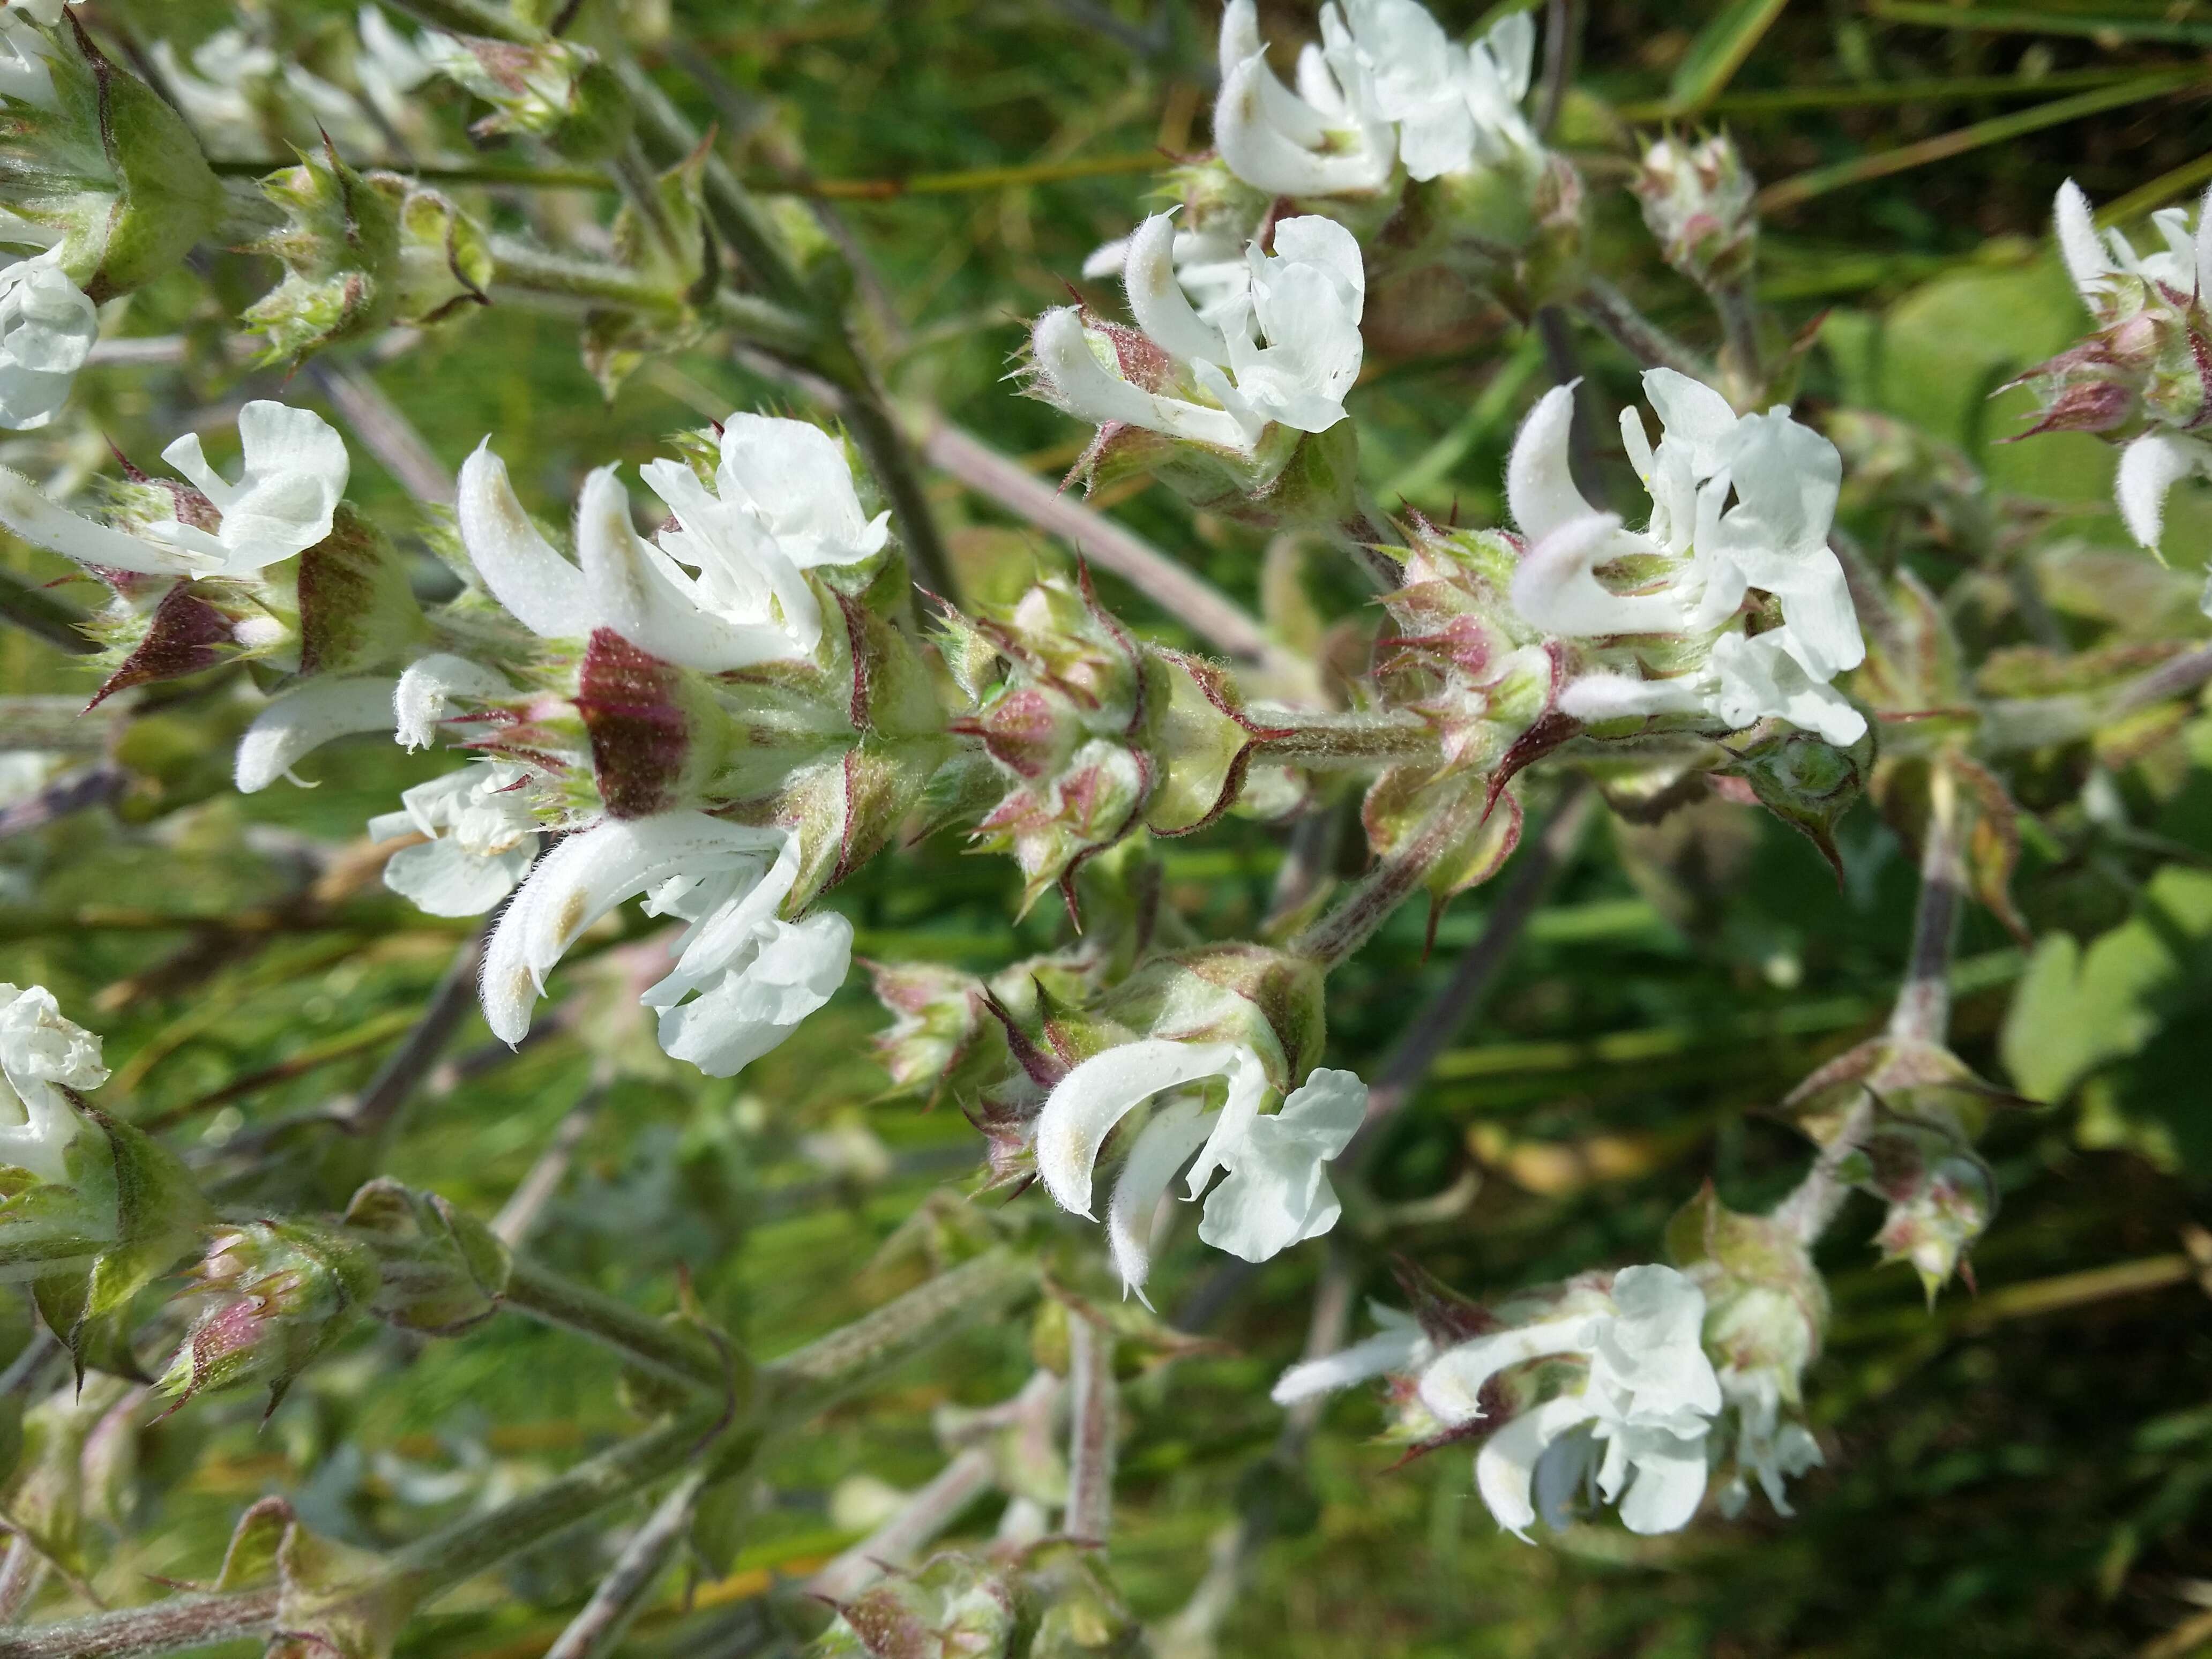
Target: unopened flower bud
102	171
439	1269
554	90
284	1291
1697	199
1941	1195
340	247
951	1604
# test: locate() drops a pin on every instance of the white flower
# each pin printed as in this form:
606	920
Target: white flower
1648	1398
1277	1193
47	326
1453	105
24	50
304	719
1287	352
1782	478
1767	1449
1328	139
483	838
39	1051
2153	463
755	976
295	475
721	587
1632	1424
429	686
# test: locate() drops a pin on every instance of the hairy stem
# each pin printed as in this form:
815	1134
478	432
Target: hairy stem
598	1629
1324	742
1092	1408
1921	1012
680	1352
1614	314
43	616
1350	922
1740	356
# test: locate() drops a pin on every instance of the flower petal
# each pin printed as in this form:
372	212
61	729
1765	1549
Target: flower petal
1669	1483
1540	486
1452	1387
427	688
2078	244
1394	1349
1277	1193
794	476
304	719
2150	466
1084	1105
1555	587
1505	1468
442	878
1175	1131
1697	418
1157	300
540	588
25	509
793	968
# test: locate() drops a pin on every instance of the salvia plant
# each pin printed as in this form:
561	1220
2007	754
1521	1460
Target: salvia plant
669	737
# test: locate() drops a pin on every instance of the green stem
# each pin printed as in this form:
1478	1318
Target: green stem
39	613
802	1383
517	265
477	17
1349	924
1643	339
680	1352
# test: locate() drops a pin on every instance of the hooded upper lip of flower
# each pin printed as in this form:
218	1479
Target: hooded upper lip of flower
1277	1192
757	976
39	1049
1784	478
1304	300
284	502
722	587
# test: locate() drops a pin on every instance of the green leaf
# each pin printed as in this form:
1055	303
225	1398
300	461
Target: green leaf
1718	52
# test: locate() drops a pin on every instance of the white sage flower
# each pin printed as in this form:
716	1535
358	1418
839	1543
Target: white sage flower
1401	1346
25	48
1648	1397
743	979
47	327
1276	1193
306	717
2143	305
1783	479
483	836
721	586
41	1054
1453	106
1287	354
295	468
1329	137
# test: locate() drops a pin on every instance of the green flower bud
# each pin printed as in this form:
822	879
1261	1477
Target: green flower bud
284	1291
440	1269
101	170
1804	780
554	90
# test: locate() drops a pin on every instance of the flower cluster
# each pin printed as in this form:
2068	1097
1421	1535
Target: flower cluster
2141	380
1603	1384
1662	615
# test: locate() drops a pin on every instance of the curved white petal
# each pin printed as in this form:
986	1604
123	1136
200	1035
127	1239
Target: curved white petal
540	588
1157	300
1175	1131
1555	587
427	688
1256	139
1697	418
580	881
1452	1387
639	592
1396	1349
1505	1468
791	969
1761	676
304	719
442	878
1088	390
1668	1485
1603	696
1084	1105
295	473
794	478
25	509
1278	1192
2149	467
1540	486
2078	244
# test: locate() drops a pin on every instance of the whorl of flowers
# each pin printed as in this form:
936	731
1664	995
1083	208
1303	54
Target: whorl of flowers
2143	379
